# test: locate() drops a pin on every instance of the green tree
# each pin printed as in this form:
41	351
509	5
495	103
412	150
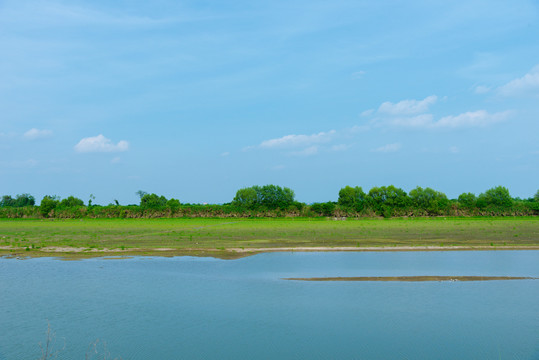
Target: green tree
153	201
269	196
428	199
247	197
325	209
24	200
173	204
385	199
273	197
467	200
48	203
141	193
352	197
536	196
7	201
498	196
71	201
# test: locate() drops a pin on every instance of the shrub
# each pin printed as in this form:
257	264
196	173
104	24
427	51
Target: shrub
48	203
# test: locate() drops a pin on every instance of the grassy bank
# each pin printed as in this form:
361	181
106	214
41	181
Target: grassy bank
228	237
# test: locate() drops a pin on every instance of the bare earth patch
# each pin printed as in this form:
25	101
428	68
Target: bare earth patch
414	278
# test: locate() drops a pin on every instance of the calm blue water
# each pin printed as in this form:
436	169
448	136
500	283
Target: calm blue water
203	308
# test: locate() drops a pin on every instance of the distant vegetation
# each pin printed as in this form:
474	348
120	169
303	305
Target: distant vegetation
276	201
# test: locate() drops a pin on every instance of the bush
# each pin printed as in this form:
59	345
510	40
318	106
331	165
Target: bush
352	198
324	209
153	201
467	200
71	201
48	203
429	200
387	198
268	196
497	197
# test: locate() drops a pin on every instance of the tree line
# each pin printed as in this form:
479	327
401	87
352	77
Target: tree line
277	201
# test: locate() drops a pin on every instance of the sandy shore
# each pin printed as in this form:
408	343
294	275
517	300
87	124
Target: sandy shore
380	248
8	250
414	278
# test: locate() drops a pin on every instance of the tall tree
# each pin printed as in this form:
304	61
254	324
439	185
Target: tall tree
467	200
352	197
428	199
269	196
497	196
71	201
48	203
389	196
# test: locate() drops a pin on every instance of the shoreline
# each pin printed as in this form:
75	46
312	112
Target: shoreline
227	253
420	278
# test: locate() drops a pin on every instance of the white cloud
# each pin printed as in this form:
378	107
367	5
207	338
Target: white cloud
298	140
367	112
454	149
34	134
478	118
358	129
481	89
388	148
341	147
100	143
528	84
115	160
311	150
226	153
423	120
407	107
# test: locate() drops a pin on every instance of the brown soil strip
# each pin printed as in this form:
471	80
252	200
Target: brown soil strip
226	253
414	278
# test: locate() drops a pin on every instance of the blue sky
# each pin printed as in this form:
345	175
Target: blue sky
196	99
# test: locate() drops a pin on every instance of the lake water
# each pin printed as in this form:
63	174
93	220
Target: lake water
204	308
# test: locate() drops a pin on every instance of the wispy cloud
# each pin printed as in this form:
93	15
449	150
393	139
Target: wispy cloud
478	118
100	143
34	134
311	150
41	14
481	89
289	141
340	147
388	148
419	121
358	74
407	107
526	85
367	112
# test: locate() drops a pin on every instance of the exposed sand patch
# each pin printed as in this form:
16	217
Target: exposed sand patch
414	278
229	253
375	248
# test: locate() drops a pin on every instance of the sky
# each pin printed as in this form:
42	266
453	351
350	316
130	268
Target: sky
197	99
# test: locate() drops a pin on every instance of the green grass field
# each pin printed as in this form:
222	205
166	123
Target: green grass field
199	236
